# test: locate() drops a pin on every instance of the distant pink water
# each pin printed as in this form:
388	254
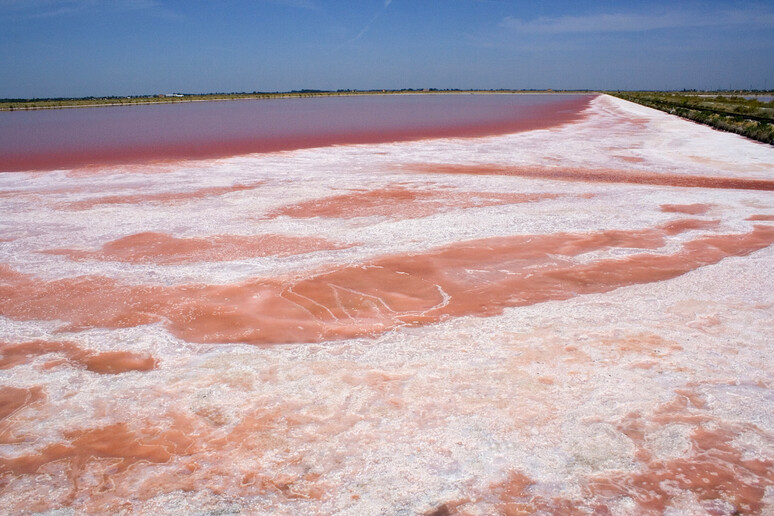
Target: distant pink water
66	138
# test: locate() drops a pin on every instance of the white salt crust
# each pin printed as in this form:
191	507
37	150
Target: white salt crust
413	419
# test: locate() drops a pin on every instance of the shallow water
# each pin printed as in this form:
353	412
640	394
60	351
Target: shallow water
49	139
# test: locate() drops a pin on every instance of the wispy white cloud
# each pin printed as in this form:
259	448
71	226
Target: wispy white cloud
301	4
367	26
54	8
36	8
636	22
717	28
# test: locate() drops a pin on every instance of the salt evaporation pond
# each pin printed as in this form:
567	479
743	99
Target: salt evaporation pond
47	139
448	304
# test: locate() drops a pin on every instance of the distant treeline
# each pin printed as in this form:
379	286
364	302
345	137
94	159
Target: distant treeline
8	104
734	113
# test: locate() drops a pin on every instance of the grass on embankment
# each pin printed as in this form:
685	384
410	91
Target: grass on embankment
749	117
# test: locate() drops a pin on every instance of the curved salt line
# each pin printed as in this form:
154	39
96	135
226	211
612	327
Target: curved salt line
290	289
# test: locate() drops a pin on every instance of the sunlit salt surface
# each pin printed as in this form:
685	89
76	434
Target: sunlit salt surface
571	319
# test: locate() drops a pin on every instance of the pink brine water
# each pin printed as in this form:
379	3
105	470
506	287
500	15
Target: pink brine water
64	138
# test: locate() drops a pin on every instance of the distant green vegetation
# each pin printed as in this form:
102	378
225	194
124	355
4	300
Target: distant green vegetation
728	112
55	103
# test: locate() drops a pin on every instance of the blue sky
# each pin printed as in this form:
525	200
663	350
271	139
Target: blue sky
52	48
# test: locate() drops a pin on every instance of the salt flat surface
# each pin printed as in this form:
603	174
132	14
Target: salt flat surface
571	320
